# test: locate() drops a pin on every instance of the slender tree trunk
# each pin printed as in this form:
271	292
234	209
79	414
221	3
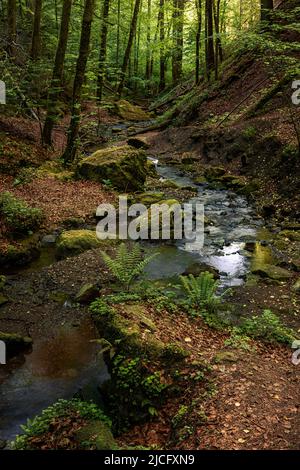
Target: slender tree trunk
84	49
266	8
218	45
118	32
57	73
162	59
148	51
178	23
129	45
210	53
103	47
198	38
11	27
36	31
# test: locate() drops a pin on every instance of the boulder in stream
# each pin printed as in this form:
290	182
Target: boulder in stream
125	167
272	272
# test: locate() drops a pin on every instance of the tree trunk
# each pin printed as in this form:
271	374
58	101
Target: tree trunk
118	32
178	22
84	49
36	31
11	27
210	53
162	59
198	38
102	53
219	49
57	73
148	51
266	9
129	44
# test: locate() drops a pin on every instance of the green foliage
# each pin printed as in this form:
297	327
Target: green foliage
63	408
250	132
136	391
268	327
201	291
18	217
25	176
290	152
238	340
127	264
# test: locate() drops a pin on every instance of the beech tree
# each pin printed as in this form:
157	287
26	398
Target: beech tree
178	24
266	8
84	50
36	30
11	27
129	45
102	51
57	74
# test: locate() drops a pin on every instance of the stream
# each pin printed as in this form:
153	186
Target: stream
61	366
232	223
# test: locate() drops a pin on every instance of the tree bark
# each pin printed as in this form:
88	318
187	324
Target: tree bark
11	27
266	9
218	45
84	49
57	73
129	44
148	51
102	52
36	31
177	55
198	38
209	49
162	58
118	32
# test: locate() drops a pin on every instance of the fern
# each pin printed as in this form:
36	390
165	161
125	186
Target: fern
201	291
127	265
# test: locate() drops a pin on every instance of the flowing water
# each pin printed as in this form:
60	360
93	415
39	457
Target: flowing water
231	223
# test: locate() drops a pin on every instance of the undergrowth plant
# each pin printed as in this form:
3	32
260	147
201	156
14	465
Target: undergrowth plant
201	291
268	327
127	264
18	217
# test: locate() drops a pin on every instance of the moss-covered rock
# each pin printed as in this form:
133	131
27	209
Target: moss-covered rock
125	167
164	222
15	343
96	435
272	272
130	112
148	198
214	172
74	242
